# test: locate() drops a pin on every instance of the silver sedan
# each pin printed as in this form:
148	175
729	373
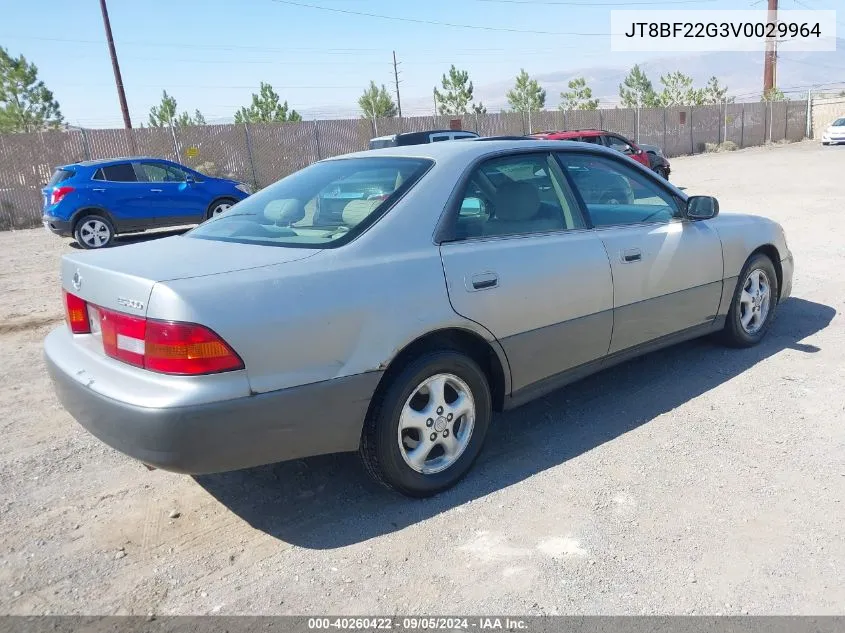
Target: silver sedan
389	301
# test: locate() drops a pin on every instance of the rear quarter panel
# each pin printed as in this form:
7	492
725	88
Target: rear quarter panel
326	317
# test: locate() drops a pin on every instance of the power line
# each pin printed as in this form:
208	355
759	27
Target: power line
435	22
597	4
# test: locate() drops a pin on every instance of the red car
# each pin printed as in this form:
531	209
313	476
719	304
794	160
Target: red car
599	137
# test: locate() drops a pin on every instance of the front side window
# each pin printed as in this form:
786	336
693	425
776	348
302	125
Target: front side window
323	205
615	194
161	172
514	195
595	140
122	172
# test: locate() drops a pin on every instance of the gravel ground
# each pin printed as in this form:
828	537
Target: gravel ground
694	480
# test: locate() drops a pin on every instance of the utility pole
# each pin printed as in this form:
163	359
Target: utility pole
396	80
434	92
771	52
127	122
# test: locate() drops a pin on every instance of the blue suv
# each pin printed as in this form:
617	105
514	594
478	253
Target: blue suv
95	200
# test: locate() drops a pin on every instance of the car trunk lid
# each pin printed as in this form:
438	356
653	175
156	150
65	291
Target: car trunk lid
122	278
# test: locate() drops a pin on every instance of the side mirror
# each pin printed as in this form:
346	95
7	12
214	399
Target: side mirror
702	207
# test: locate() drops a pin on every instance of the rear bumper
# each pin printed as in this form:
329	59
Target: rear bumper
56	225
314	419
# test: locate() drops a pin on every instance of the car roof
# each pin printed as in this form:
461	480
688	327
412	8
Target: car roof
469	149
99	162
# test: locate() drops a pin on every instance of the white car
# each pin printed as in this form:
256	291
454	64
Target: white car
835	132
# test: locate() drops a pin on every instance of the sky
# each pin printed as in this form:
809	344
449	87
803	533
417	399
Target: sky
211	55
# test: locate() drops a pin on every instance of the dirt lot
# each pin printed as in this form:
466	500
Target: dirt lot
695	480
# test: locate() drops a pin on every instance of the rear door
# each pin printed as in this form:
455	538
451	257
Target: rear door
522	263
116	189
175	200
667	271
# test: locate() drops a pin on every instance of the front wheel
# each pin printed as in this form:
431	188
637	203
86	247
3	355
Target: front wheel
219	206
661	171
754	303
425	430
93	231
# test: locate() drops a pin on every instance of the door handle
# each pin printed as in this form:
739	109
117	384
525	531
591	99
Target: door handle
631	255
99	190
156	190
483	281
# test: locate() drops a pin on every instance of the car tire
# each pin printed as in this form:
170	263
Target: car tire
825	143
93	231
661	171
442	395
751	312
218	206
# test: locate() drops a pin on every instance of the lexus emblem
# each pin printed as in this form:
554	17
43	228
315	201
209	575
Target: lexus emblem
76	280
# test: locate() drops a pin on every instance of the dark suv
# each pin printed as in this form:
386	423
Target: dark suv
418	138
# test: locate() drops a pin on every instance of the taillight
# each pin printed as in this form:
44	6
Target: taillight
123	336
76	314
59	193
185	349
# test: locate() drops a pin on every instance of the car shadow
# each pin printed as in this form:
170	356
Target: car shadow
328	501
135	238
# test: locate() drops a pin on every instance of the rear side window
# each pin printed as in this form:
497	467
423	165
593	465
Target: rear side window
122	172
60	175
596	140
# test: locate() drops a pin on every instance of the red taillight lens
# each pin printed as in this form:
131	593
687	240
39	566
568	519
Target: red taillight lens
186	348
123	336
76	314
59	193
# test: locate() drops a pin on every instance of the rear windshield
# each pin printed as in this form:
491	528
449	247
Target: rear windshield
321	206
382	142
60	175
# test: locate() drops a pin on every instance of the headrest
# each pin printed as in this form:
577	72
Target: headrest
517	201
356	210
283	212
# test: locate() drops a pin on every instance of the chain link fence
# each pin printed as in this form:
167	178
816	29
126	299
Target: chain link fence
262	153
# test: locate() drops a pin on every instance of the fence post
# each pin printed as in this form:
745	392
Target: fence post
769	104
809	129
476	122
637	117
601	120
175	142
664	129
786	121
85	147
725	135
317	141
742	127
691	133
249	155
564	121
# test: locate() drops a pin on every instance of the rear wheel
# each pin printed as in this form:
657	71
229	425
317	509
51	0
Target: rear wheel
660	170
219	206
754	303
425	430
93	231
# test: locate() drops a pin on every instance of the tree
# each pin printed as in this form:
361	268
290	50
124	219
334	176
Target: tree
165	114
376	102
679	91
25	103
266	108
636	91
579	97
716	93
479	108
457	92
774	94
526	95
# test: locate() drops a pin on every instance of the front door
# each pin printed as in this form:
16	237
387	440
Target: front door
174	199
667	271
522	263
